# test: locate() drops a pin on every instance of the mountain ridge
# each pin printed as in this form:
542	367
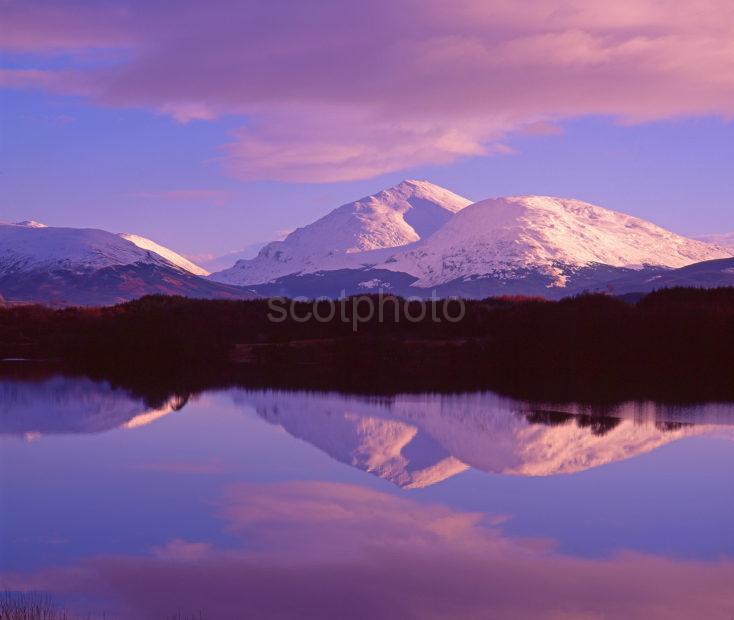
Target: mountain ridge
539	245
35	248
171	256
359	233
413	239
551	235
725	240
86	266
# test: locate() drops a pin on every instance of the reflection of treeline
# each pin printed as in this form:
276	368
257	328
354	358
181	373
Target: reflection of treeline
671	344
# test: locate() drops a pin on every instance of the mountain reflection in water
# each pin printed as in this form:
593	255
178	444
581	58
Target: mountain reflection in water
412	440
418	440
219	503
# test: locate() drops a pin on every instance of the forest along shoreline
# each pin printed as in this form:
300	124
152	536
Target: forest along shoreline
675	344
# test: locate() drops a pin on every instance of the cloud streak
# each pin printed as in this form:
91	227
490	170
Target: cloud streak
212	197
336	91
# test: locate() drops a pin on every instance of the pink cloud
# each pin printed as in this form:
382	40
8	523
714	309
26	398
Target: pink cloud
202	196
58	81
541	128
47	26
350	90
182	551
341	146
325	550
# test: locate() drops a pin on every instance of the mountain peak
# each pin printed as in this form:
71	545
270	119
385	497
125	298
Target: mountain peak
418	183
30	224
359	233
418	189
31	245
87	266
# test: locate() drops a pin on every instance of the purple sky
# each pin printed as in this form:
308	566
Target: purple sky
213	126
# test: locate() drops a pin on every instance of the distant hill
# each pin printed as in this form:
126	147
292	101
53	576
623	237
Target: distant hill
90	267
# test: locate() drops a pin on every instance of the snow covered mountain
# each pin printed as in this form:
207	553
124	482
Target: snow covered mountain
27	248
32	245
354	235
413	239
417	237
169	255
555	237
75	266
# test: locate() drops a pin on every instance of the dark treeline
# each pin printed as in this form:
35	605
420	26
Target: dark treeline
676	344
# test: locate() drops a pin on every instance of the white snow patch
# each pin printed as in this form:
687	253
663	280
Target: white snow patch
31	224
374	283
169	255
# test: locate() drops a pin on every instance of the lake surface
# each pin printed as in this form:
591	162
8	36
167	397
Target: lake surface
270	504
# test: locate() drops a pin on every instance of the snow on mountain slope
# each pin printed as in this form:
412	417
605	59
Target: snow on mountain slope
88	267
500	236
31	224
25	248
80	248
169	255
725	240
356	234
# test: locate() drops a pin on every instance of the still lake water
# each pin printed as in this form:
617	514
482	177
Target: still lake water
272	504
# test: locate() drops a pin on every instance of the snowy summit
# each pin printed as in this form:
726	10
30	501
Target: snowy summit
435	237
364	232
29	247
503	235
